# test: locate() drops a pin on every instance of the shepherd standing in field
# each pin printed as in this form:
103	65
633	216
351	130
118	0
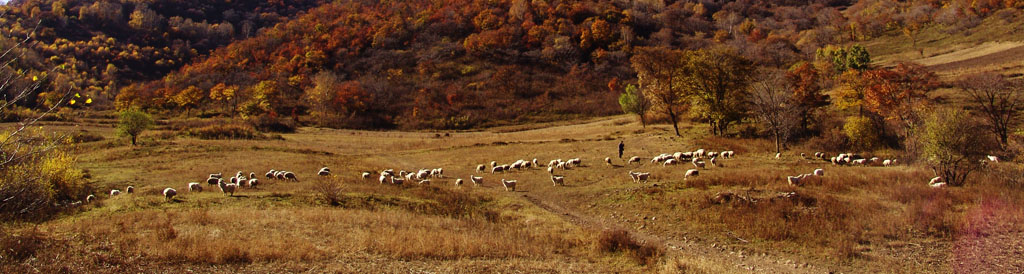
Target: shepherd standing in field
621	148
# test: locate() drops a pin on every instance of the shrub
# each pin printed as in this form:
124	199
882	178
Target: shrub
619	240
861	132
132	123
34	185
224	131
952	146
272	123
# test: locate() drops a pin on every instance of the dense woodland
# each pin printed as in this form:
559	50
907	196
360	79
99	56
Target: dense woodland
442	64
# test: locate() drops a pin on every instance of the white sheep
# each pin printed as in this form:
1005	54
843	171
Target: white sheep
270	174
859	162
324	172
794	180
366	175
494	163
608	160
129	189
699	153
778	155
170	192
195	187
819	172
458	182
290	176
557	180
397	181
383	178
551	170
887	162
553	163
669	162
253	182
994	159
714	161
642	176
699	164
115	192
937	182
496	169
634	159
234	180
91	198
509	185
535	162
425	182
691	173
477	180
481	168
803	155
227	188
632	175
712	154
212	180
216	175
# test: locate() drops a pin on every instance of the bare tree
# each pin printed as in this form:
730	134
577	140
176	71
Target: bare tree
21	148
997	100
772	102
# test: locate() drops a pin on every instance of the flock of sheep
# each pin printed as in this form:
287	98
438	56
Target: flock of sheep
699	159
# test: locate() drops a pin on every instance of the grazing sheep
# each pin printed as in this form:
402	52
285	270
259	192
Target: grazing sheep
936	182
728	154
216	175
234	180
819	172
496	169
115	192
270	174
712	154
575	162
252	175
778	155
324	172
632	175
397	181
129	189
669	162
551	170
535	162
509	185
383	177
699	164
714	161
803	155
887	162
195	187
634	159
170	192
408	176
494	163
279	174
994	159
563	165
212	180
366	175
425	182
290	176
859	162
253	182
227	188
389	172
458	182
691	173
794	180
91	198
699	153
608	160
553	163
481	168
642	176
476	180
557	180
678	156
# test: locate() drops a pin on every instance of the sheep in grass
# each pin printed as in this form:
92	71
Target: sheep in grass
937	182
324	172
458	182
699	164
481	168
212	181
510	185
803	155
887	162
114	192
712	154
290	176
366	175
551	170
794	180
494	163
669	162
91	198
535	162
397	181
699	153
714	161
819	172
170	192
557	180
383	178
195	187
270	174
634	159
279	175
778	155
553	162
253	182
608	160
477	180
691	173
496	169
425	182
642	177
216	175
129	189
234	180
994	159
859	162
227	188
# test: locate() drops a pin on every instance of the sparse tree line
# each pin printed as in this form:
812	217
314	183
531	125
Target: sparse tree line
875	107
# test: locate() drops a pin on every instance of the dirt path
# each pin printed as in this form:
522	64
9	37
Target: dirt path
730	260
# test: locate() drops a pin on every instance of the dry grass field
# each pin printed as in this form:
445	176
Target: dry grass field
852	220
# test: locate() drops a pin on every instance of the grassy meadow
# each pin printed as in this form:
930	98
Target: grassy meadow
854	219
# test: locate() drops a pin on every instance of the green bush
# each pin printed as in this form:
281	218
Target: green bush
862	133
39	181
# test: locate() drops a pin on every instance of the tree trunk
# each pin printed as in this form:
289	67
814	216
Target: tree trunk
675	125
643	121
778	142
133	139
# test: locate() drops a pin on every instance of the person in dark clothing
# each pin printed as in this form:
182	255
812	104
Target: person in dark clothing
621	148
